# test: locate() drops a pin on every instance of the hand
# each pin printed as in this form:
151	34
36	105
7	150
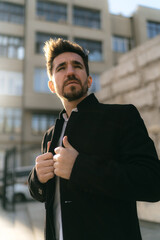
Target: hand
64	159
44	166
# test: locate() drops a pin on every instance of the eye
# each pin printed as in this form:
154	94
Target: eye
78	66
60	68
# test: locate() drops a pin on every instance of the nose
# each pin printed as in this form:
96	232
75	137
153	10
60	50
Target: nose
70	69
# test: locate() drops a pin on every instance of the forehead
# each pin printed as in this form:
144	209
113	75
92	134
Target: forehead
67	57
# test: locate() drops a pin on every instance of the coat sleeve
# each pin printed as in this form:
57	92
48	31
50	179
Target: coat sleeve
36	188
135	177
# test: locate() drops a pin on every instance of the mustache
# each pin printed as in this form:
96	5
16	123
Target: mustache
70	78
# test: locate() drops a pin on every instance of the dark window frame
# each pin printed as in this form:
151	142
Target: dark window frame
119	45
11	12
9	44
50	121
153	29
11	118
51	11
86	17
90	45
45	36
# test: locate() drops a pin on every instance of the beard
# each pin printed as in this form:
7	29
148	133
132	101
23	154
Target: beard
74	94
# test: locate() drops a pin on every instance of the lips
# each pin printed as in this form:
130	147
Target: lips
71	82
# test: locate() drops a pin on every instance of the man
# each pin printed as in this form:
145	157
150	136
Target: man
97	161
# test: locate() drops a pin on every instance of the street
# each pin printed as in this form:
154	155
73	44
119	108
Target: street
27	222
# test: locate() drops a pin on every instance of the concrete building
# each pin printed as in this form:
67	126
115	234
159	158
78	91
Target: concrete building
27	108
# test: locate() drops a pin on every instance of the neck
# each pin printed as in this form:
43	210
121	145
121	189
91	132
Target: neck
69	106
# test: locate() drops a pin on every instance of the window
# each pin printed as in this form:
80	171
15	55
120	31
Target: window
10	120
153	29
11	83
41	38
41	122
121	44
94	47
86	17
41	80
95	87
11	13
11	47
50	11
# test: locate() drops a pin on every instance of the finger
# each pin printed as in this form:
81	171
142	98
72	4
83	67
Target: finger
46	170
48	145
56	158
45	163
45	156
57	150
66	143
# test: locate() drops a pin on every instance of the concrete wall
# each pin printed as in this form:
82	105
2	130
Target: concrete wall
136	80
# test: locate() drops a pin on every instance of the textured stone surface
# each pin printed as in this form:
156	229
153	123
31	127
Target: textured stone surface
142	97
126	68
107	77
126	84
136	80
152	73
104	94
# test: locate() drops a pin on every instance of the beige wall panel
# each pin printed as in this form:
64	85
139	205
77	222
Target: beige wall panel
42	102
39	61
90	3
88	33
10	101
97	67
11	29
52	28
11	65
8	141
121	26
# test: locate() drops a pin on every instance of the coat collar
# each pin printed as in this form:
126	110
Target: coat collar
86	103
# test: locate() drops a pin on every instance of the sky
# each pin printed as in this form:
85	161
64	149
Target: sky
127	7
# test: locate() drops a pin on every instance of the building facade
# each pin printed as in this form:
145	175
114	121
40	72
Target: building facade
27	108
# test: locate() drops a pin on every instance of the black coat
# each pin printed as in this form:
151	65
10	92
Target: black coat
116	166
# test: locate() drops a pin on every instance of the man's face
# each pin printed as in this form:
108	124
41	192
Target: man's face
69	77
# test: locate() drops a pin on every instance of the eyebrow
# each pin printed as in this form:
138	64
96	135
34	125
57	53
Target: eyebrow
60	65
73	62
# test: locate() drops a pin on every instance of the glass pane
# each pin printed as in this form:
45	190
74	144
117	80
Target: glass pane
41	80
35	123
86	17
41	38
43	123
12	13
95	87
52	11
20	53
94	47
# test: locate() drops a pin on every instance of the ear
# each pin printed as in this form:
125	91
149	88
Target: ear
89	81
51	86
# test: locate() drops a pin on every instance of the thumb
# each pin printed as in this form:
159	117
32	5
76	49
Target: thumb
66	143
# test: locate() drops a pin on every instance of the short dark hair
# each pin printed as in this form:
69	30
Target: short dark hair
54	47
